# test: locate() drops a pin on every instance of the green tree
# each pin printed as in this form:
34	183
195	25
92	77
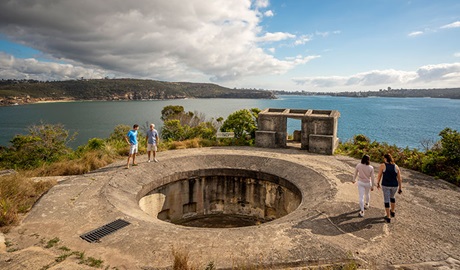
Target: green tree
242	122
179	125
204	130
450	142
45	143
172	130
119	133
171	111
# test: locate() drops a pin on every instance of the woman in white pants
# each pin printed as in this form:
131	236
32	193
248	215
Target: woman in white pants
365	174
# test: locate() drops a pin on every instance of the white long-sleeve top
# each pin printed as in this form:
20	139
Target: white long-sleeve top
365	173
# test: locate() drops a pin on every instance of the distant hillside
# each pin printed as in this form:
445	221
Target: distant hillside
453	93
30	91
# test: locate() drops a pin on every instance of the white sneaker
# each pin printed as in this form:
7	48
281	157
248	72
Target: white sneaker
156	160
361	213
366	206
148	160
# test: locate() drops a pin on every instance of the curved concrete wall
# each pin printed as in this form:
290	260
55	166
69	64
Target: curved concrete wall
222	198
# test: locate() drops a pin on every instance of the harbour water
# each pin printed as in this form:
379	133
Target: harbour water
400	121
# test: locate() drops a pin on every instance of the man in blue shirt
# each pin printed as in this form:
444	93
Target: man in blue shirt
131	139
152	141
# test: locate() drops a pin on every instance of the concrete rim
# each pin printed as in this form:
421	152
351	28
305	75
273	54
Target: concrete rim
122	193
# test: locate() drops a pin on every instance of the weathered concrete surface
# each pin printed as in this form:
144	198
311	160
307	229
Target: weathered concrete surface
424	235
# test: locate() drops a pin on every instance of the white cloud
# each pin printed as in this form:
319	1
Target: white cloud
452	25
302	40
299	59
269	13
166	40
261	3
457	54
32	69
278	36
272	50
438	72
428	76
416	33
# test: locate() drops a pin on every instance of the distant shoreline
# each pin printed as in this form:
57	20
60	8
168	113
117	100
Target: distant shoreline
64	100
53	101
451	93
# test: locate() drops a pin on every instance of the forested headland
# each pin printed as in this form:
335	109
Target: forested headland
17	92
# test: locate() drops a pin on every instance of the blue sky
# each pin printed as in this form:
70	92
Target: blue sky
311	45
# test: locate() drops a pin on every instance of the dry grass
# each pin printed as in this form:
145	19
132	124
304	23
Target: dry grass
181	260
17	195
192	143
88	162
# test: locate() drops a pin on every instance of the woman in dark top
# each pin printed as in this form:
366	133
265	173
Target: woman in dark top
391	182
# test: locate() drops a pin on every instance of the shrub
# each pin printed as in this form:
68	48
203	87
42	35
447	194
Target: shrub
179	125
119	133
242	123
442	160
95	144
45	143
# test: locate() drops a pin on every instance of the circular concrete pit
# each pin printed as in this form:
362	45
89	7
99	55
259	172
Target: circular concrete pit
222	198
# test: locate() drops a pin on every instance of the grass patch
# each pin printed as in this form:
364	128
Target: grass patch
63	257
181	260
17	195
90	261
51	243
64	248
88	161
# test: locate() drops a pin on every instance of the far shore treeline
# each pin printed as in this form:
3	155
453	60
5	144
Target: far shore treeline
17	92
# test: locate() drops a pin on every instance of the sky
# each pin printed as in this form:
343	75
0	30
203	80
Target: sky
292	45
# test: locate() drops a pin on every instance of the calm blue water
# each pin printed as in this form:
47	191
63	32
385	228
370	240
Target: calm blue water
400	121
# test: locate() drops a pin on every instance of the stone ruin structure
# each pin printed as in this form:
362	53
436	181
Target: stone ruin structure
318	132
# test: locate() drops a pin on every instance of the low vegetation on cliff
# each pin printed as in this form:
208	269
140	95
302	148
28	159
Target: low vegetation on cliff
439	159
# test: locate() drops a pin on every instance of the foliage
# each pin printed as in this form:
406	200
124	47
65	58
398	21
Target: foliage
450	141
442	160
172	130
95	144
45	143
242	122
180	125
119	133
17	195
170	111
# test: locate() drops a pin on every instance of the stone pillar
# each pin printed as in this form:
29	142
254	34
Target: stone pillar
272	128
321	131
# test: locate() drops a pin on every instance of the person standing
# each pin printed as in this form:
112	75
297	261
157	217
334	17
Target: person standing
390	175
131	139
365	174
152	141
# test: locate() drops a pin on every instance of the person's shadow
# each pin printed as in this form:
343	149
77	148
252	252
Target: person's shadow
348	222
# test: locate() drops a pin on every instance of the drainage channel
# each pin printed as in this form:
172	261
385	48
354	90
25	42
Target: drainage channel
97	234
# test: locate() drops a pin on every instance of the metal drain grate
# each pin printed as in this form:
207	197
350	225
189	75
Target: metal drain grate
98	233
